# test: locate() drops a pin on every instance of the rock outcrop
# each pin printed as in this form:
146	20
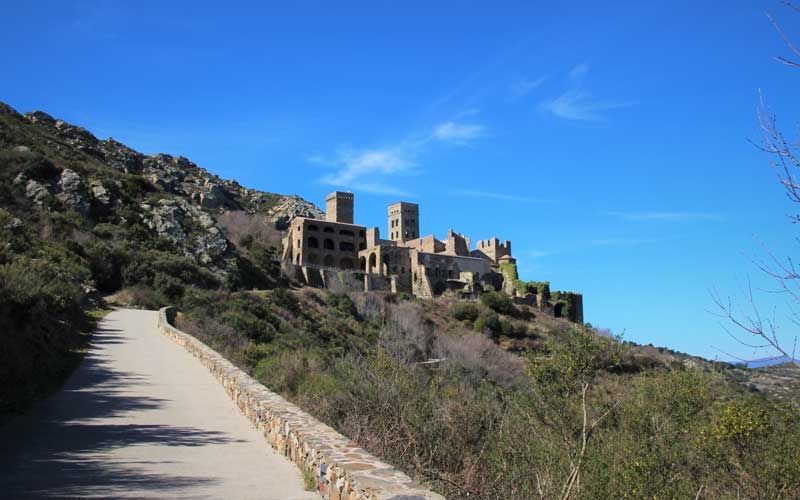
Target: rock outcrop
67	168
175	175
72	192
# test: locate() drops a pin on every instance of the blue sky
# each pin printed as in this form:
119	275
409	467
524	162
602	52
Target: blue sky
610	143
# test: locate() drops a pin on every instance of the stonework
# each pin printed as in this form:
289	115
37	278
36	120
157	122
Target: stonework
423	266
342	469
339	207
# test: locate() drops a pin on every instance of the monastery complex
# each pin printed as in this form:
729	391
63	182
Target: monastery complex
356	257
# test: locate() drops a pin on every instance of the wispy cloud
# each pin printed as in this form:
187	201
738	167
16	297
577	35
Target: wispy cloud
523	86
577	103
666	216
375	170
458	133
579	72
498	196
370	170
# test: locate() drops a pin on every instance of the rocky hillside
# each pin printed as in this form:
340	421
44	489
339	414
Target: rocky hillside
180	202
82	217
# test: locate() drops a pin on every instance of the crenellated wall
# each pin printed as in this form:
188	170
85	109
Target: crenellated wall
344	471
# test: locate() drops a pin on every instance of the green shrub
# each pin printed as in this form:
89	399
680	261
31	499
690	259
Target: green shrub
41	318
498	302
489	323
342	303
465	311
106	263
282	297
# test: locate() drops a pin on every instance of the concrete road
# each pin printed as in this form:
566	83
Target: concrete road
140	418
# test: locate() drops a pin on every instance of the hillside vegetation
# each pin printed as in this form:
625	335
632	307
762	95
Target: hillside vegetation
574	415
483	399
80	218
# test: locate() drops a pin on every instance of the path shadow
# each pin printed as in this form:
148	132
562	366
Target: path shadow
56	451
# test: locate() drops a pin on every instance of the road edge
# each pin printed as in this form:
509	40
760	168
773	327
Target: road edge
343	470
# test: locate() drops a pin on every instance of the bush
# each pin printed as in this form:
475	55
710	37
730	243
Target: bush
498	302
255	329
342	303
407	335
489	323
465	312
285	299
41	318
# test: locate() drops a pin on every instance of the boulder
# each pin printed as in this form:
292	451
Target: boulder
210	244
100	195
164	219
37	193
212	195
72	192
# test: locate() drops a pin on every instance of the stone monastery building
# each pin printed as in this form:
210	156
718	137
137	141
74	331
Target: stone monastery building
405	262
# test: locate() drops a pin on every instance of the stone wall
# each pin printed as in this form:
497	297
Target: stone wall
343	470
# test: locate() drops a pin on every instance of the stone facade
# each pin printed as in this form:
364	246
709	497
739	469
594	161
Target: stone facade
493	250
342	469
339	207
403	221
406	262
423	266
322	243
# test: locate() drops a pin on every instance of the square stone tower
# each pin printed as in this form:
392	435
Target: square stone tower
339	207
403	221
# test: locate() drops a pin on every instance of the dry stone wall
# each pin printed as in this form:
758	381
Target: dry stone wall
342	469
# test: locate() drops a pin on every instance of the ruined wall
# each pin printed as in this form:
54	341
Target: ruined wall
567	305
456	244
439	268
343	470
492	249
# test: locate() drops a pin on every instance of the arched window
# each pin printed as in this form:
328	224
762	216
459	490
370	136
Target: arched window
346	232
328	262
328	230
373	262
313	227
328	244
362	262
346	246
346	263
313	242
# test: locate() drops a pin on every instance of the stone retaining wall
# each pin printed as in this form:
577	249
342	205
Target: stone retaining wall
343	470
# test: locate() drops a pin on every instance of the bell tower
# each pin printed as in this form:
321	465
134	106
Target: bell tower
339	207
403	220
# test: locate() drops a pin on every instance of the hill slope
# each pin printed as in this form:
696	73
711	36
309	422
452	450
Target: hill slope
81	217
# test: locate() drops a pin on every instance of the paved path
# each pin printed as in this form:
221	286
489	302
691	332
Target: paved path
140	418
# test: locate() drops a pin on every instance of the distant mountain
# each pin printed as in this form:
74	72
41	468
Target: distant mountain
765	362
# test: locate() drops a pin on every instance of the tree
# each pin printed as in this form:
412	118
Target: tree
754	328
